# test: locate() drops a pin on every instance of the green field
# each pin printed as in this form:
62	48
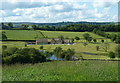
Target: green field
31	34
62	71
22	34
55	34
79	49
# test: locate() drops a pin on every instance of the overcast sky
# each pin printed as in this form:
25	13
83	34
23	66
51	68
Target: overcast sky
44	11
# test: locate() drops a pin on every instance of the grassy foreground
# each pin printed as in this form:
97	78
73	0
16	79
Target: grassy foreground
62	71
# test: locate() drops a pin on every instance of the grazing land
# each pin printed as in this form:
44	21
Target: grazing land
83	70
63	71
31	34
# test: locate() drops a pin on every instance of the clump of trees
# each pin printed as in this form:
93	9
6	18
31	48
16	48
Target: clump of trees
87	37
114	37
64	54
22	55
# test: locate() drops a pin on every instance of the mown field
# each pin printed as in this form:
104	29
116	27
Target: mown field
31	34
62	71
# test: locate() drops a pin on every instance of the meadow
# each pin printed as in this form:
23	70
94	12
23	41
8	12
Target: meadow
82	70
32	34
80	49
62	71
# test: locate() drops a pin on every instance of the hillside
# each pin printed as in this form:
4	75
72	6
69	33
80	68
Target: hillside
31	34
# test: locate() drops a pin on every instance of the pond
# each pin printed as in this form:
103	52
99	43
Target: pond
53	57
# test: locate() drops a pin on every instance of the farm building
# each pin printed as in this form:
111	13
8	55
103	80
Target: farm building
41	41
60	41
53	41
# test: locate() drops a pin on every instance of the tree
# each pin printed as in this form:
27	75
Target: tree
117	40
4	47
94	40
25	45
4	37
86	36
69	54
94	30
25	26
111	54
89	39
97	48
113	37
10	24
102	41
77	38
35	27
72	40
41	47
58	51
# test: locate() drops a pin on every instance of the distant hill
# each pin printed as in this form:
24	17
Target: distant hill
18	24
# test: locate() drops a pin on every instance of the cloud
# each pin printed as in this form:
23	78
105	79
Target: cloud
45	11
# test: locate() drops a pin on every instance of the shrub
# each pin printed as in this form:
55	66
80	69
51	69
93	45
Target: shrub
111	54
4	47
94	40
24	55
102	41
41	47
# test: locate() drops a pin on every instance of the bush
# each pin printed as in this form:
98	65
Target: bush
111	54
77	38
94	40
4	47
24	55
41	47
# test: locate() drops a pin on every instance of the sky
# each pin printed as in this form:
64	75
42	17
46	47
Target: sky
52	11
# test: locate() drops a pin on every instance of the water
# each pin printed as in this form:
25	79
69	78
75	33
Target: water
53	57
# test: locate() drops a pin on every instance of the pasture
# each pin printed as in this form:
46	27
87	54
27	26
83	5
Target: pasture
62	71
22	34
56	34
88	52
32	34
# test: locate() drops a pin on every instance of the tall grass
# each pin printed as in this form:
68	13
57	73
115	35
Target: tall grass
62	71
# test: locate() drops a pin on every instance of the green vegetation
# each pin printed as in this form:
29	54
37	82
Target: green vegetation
32	34
55	34
62	71
86	45
22	34
25	55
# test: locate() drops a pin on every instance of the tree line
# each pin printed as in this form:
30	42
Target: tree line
70	27
114	37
